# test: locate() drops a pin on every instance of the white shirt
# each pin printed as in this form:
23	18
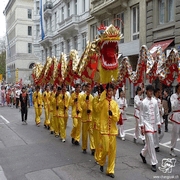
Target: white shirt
161	109
149	115
18	92
175	104
137	104
122	103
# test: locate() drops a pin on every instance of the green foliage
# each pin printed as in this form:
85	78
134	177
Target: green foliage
3	64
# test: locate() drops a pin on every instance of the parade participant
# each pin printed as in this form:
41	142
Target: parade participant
3	95
109	116
63	112
96	124
30	93
56	110
75	102
18	92
137	103
122	103
149	120
158	137
175	118
8	97
46	102
167	107
51	115
37	101
87	129
23	105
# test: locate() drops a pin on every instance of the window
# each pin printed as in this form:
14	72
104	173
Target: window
75	7
68	9
105	22
29	47
93	31
37	8
62	46
29	13
119	22
84	6
68	46
135	22
46	53
37	31
76	43
62	13
166	11
55	20
83	41
50	51
29	31
55	50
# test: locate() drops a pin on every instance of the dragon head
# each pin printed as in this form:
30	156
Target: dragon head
108	44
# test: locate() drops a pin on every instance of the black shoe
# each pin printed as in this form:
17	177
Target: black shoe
110	175
144	142
72	141
101	168
92	152
45	126
143	158
157	149
84	151
134	140
48	127
52	132
166	130
153	168
76	143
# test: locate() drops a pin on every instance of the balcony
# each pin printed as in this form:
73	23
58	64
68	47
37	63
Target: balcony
100	7
48	9
69	24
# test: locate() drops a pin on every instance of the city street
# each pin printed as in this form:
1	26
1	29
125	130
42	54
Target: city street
28	152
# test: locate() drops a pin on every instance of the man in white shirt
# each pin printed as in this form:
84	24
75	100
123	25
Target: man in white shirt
18	92
149	120
175	118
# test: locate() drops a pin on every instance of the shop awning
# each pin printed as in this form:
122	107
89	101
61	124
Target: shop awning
162	44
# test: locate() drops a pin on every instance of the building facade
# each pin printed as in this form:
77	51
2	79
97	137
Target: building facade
19	47
130	17
163	26
65	27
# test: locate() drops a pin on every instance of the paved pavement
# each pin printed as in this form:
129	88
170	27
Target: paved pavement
28	152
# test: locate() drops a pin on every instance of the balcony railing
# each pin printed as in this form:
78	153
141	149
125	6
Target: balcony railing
70	20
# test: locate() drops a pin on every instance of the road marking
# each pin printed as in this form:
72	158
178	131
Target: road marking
2	175
169	147
3	118
129	130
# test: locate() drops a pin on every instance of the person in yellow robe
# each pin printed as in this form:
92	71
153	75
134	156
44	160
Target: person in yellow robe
37	101
56	110
51	116
109	117
46	102
75	103
63	104
96	124
87	129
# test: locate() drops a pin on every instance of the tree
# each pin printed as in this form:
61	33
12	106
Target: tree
3	57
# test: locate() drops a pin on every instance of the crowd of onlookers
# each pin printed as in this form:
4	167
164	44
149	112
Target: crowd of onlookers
9	94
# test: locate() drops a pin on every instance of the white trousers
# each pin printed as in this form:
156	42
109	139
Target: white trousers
158	137
121	131
175	134
137	133
149	148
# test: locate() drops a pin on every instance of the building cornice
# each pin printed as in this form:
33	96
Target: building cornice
8	6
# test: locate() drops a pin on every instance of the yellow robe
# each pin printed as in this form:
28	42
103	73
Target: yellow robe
108	130
51	117
76	131
37	100
87	128
46	102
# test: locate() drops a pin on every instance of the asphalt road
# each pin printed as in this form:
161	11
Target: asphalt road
28	152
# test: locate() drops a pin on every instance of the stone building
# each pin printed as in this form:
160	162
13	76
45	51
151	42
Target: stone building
65	27
163	25
130	16
19	33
